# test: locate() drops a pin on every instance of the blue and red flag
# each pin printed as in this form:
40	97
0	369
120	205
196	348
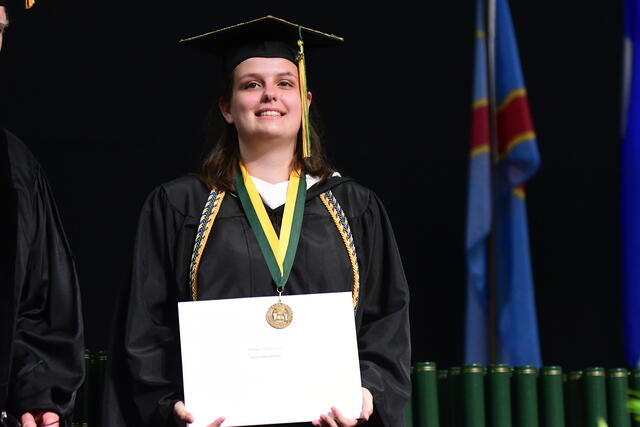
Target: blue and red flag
630	181
500	207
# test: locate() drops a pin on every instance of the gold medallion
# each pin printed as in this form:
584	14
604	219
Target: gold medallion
279	315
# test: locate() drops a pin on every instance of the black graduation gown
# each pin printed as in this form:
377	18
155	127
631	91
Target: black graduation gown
41	332
142	388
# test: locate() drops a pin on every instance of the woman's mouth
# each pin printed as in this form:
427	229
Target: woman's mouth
269	113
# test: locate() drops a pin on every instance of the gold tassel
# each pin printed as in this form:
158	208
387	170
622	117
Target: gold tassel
302	77
29	3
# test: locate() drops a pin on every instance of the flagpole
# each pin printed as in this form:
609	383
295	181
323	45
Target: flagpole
492	323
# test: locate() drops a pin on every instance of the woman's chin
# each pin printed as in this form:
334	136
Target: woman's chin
268	133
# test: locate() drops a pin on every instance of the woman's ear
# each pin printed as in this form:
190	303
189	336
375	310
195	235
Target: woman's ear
225	109
309	96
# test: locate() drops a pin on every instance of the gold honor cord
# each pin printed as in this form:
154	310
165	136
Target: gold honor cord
302	78
210	212
342	224
279	245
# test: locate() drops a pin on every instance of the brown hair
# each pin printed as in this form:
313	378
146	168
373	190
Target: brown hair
218	167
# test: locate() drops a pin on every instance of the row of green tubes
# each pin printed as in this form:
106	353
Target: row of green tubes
501	396
89	398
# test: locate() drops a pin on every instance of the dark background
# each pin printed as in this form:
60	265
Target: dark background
112	106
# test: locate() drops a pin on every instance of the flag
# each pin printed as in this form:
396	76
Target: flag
630	181
499	207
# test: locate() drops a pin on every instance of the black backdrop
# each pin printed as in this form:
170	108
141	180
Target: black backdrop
112	106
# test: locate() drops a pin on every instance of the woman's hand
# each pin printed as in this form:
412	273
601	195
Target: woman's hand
183	417
39	418
338	420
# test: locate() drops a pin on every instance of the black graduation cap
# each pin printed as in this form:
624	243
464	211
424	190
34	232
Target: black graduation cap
266	37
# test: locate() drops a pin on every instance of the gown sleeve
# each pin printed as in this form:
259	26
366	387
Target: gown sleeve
47	362
149	330
383	336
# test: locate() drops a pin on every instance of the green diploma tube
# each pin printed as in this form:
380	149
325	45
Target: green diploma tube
425	395
444	398
455	394
574	399
634	385
617	396
595	400
552	396
525	384
408	408
97	386
499	395
408	413
82	410
473	396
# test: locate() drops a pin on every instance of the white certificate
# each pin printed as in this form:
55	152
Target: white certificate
237	366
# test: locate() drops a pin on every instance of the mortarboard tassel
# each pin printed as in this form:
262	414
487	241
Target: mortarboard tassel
302	77
29	3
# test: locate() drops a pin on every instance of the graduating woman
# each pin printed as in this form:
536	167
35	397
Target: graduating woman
211	236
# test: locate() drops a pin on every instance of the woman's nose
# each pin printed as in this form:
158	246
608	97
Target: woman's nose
269	94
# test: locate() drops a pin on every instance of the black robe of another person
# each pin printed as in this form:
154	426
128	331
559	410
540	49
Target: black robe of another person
41	331
144	379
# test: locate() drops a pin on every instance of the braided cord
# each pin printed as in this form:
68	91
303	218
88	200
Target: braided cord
209	214
341	222
210	211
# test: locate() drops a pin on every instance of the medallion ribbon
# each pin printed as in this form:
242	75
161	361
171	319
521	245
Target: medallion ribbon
279	252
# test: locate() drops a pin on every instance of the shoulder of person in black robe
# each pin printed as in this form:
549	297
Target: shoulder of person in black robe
42	329
8	218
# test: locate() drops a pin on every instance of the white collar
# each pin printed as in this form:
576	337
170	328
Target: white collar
274	195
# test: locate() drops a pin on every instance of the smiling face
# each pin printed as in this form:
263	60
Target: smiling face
265	100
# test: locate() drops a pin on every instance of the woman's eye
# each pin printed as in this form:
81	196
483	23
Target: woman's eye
285	83
251	85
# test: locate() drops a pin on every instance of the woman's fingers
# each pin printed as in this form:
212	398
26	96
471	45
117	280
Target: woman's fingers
341	420
217	423
367	404
326	420
27	420
50	419
181	414
38	418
